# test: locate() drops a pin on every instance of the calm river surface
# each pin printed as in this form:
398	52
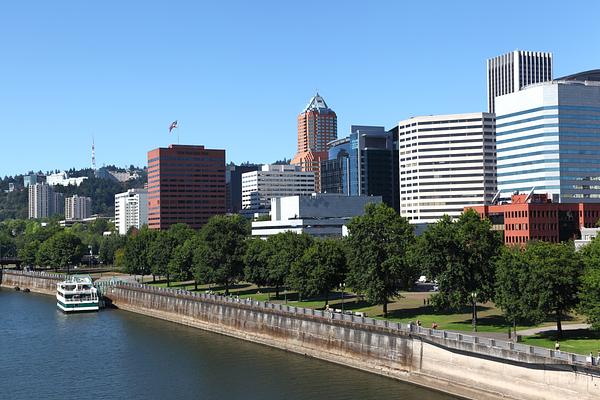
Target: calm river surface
113	354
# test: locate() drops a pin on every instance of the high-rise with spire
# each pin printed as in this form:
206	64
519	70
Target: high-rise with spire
317	126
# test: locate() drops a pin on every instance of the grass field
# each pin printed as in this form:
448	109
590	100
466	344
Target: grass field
412	306
581	341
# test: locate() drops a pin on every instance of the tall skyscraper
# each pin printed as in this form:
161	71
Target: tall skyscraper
44	201
317	126
77	207
131	209
512	71
364	163
186	184
548	139
447	163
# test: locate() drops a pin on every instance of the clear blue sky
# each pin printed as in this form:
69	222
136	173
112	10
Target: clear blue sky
236	74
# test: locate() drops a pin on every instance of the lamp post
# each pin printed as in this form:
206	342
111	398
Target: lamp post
474	301
342	286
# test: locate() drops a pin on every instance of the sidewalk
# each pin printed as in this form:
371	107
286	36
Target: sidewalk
551	328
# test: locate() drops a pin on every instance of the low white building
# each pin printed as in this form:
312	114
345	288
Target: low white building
61	178
587	235
78	207
272	181
131	209
320	215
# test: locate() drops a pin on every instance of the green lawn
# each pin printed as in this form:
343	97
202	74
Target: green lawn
410	308
580	341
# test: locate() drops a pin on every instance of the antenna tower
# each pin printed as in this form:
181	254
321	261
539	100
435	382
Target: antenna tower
93	155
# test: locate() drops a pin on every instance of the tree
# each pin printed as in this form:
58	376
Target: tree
180	265
256	262
459	255
159	254
590	289
512	286
554	279
163	246
285	249
62	250
378	244
219	258
321	268
27	253
108	247
135	256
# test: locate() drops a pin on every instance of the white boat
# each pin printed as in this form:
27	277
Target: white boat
77	293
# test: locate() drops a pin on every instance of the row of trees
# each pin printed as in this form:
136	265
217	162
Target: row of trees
380	257
373	260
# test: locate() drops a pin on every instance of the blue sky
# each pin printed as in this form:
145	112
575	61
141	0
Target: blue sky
236	74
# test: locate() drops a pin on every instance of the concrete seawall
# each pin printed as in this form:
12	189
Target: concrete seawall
457	364
38	282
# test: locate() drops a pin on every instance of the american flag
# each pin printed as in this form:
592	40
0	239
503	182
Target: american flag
173	126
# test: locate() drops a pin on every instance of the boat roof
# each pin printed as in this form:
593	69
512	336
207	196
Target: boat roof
79	279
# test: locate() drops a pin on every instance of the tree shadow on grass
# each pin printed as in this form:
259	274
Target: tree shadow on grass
406	313
574	334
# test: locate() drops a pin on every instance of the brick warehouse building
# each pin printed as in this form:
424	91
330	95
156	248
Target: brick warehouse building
535	217
186	184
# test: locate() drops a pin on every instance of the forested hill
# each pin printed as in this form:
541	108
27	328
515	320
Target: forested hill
102	191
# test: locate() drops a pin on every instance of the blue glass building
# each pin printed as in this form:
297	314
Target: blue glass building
364	163
548	139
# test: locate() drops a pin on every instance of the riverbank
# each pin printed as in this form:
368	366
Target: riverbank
462	365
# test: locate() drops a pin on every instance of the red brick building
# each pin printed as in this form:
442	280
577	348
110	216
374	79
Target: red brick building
535	217
317	126
186	184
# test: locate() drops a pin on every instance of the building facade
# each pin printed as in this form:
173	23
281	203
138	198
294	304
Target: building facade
317	126
31	179
62	178
512	71
319	215
364	163
131	210
233	180
44	201
186	184
271	181
548	139
447	162
535	217
78	207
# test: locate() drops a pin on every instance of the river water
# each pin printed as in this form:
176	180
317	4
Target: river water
112	354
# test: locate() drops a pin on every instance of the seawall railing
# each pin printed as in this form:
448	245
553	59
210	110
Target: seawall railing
432	335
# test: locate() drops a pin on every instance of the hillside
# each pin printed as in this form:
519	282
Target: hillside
102	191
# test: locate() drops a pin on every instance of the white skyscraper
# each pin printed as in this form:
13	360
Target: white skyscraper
77	207
44	201
512	71
447	162
131	209
272	181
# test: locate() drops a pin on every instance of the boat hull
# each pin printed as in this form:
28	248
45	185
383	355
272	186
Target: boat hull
77	307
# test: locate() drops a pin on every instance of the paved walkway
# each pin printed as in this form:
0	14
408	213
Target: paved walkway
565	327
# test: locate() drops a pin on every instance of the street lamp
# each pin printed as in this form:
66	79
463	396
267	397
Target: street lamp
474	301
342	286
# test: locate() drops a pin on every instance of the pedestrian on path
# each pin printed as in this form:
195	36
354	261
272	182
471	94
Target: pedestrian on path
598	359
557	346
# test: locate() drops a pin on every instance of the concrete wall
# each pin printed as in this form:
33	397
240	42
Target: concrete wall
38	282
462	365
473	370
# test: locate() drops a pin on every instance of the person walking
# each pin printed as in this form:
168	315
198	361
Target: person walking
557	346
